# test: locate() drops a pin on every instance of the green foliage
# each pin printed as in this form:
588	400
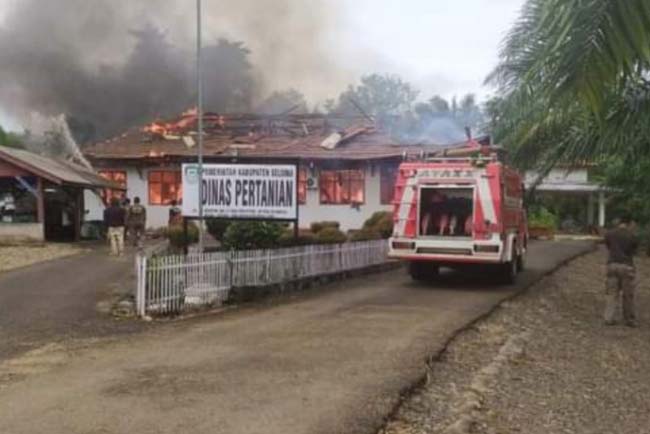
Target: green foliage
381	96
573	82
330	235
304	239
380	222
366	234
631	187
246	235
176	236
9	139
540	217
316	227
217	227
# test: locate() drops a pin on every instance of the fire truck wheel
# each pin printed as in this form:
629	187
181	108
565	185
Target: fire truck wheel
423	271
509	271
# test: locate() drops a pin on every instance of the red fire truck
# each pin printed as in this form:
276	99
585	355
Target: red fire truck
460	207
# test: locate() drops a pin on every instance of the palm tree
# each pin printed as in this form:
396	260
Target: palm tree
573	75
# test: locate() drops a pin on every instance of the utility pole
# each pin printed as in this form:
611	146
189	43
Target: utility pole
199	114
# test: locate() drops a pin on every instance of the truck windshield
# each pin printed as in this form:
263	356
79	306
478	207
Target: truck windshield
446	212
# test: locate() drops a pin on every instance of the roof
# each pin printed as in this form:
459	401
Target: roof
305	137
57	171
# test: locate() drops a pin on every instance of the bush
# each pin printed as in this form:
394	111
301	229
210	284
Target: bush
316	227
176	236
247	235
542	218
366	235
380	222
304	239
330	235
217	227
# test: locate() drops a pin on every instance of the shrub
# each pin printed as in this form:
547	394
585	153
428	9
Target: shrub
304	239
316	227
217	227
366	235
176	236
330	235
542	218
246	235
380	222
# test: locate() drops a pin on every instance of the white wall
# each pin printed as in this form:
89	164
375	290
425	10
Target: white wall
348	216
136	185
560	175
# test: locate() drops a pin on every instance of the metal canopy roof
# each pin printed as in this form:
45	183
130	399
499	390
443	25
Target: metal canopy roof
57	171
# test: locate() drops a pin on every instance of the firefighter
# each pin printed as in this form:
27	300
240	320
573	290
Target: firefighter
621	244
136	222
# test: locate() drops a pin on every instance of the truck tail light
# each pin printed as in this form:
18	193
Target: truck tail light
486	248
403	245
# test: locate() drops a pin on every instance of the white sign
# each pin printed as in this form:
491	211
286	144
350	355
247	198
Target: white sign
255	191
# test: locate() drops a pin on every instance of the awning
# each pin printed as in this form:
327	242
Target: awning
54	170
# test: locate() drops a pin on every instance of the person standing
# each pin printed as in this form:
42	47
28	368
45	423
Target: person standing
622	245
175	214
136	221
114	219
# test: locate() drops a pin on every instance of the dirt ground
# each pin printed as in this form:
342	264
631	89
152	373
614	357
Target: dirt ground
12	257
543	363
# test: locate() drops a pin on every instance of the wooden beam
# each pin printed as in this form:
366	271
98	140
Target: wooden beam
40	201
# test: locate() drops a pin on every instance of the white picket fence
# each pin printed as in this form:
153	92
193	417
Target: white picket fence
172	283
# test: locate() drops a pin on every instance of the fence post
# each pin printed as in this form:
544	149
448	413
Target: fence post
141	261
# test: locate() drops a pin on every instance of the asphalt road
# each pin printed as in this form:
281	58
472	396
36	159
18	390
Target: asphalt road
56	300
334	362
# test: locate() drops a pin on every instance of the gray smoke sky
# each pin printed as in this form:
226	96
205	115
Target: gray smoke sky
316	46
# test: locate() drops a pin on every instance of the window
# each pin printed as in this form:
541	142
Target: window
118	177
164	186
387	175
302	186
342	186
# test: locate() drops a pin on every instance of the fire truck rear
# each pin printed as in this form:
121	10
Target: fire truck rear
458	210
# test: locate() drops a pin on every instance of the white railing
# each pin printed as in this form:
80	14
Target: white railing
173	283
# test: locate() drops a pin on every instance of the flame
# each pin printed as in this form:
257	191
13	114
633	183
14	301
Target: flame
185	122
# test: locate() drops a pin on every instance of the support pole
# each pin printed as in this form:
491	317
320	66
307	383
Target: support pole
590	209
601	209
199	113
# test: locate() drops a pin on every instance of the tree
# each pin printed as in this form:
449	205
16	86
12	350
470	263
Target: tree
381	96
9	139
572	76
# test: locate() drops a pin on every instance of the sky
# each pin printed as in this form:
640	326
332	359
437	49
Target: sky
443	47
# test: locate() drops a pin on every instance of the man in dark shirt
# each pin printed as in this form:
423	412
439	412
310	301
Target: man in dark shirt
115	218
622	244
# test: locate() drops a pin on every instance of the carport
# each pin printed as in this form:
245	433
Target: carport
42	198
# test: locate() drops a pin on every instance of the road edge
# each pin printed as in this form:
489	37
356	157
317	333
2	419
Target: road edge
416	386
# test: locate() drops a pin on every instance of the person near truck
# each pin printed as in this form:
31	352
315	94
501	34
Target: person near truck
621	244
115	219
136	221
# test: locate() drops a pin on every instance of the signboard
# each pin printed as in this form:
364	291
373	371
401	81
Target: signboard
242	191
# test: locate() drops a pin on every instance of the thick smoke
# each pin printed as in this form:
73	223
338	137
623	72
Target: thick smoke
112	64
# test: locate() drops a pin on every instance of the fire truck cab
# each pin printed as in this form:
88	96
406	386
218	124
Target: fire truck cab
464	207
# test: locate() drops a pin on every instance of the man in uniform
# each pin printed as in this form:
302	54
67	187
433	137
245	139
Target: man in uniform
621	244
114	218
136	221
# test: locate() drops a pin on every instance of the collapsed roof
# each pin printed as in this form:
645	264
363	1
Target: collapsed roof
304	136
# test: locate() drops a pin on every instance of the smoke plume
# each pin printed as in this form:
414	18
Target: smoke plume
112	64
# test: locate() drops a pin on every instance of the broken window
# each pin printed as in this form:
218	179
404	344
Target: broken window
342	187
118	177
164	187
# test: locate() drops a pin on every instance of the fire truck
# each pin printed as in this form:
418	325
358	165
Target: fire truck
460	207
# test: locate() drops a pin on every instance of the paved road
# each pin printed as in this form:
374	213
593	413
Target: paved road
56	300
334	362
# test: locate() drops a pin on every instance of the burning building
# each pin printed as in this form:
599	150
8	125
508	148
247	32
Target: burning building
346	166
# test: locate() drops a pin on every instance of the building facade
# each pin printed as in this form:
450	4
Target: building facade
346	173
